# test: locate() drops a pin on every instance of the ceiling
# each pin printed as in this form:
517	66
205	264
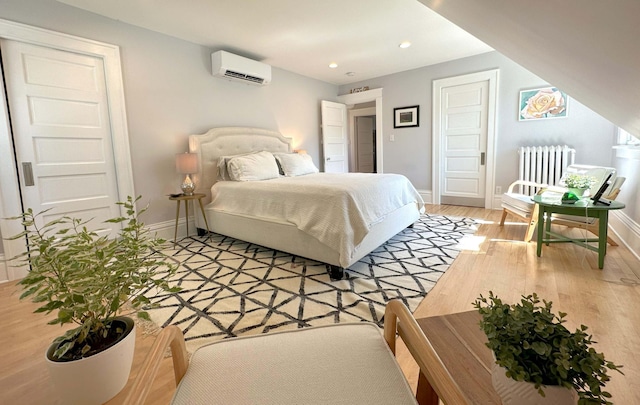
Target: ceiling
361	36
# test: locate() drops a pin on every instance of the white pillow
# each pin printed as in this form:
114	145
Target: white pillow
222	165
256	166
293	164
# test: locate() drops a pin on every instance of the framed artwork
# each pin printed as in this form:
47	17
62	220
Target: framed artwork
406	116
542	103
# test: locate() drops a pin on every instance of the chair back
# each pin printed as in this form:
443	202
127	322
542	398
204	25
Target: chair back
599	172
615	187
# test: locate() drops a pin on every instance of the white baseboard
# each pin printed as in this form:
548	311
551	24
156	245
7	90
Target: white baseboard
166	229
4	276
627	230
426	195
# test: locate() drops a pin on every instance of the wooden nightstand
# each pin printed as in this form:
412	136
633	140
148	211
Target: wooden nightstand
186	199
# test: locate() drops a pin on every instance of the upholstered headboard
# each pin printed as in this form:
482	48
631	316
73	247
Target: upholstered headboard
228	141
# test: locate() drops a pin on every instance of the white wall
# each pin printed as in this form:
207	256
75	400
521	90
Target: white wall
410	154
170	93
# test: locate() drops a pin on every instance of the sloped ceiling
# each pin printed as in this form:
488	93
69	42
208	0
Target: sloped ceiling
588	48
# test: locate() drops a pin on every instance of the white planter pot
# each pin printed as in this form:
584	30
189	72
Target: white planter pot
95	379
514	392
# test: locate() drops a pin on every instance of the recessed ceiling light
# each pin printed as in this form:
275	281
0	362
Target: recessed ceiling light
333	65
405	44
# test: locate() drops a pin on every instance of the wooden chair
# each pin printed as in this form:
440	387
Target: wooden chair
342	363
590	224
522	205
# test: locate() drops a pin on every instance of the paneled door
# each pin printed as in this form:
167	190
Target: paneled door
464	114
465	140
62	135
335	145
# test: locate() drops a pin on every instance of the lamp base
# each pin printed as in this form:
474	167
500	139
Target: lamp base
187	189
187	186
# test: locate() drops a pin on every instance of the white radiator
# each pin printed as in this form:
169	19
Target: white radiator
543	164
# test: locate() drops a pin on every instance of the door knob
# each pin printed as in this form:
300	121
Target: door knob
328	158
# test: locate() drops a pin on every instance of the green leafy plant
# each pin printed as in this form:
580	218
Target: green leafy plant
90	279
573	180
533	345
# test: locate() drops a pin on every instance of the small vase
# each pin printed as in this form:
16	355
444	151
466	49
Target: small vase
514	392
578	191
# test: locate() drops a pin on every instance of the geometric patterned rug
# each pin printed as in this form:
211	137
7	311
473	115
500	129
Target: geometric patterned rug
234	288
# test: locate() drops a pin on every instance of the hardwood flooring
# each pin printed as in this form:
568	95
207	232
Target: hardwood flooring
607	301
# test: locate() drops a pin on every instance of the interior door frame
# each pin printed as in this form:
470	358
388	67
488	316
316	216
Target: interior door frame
365	97
10	201
436	177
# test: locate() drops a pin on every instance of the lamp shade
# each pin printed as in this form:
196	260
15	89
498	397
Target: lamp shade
186	163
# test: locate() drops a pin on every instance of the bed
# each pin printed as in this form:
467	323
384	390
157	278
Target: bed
280	213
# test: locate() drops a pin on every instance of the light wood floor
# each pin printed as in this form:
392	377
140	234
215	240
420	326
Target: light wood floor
608	301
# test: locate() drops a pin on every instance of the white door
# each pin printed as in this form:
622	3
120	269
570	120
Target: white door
365	144
465	140
334	137
60	121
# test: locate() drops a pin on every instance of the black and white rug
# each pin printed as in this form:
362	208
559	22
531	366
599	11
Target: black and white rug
233	288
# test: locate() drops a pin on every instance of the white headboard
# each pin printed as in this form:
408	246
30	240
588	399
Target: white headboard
228	141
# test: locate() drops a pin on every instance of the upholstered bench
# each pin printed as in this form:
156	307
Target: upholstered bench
350	363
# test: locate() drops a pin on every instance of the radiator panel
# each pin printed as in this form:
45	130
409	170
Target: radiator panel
543	164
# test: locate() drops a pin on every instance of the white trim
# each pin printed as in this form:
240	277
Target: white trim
492	76
4	276
426	196
627	151
627	230
10	204
364	97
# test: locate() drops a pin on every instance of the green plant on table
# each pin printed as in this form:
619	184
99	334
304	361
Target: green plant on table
89	279
533	345
573	180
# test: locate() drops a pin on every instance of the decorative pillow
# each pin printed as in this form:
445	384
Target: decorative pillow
293	164
256	166
222	165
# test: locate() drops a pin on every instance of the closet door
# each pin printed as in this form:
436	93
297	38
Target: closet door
61	130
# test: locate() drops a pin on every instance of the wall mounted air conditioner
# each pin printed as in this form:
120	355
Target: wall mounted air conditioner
239	68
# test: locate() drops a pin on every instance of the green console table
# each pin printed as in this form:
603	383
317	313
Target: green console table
583	207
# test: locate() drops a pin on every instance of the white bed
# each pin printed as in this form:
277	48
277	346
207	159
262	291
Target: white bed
279	232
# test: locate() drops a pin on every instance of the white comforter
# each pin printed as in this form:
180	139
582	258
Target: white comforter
336	209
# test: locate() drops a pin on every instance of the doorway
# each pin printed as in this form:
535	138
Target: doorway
464	109
365	103
365	144
363	138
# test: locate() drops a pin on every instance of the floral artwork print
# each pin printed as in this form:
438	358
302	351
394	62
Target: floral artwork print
542	103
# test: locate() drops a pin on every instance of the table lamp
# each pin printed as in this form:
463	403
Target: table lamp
187	163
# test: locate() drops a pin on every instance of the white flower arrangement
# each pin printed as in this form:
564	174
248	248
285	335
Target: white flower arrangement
579	181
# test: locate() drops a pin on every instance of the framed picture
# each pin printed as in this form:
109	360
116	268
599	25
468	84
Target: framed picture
542	103
406	117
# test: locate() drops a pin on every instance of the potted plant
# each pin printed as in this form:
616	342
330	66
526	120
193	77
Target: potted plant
579	183
90	280
531	344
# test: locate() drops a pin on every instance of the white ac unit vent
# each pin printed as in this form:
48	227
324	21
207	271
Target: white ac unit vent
239	68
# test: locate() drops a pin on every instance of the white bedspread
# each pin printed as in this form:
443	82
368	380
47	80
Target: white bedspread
336	209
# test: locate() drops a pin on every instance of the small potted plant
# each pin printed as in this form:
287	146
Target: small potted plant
531	345
91	280
579	183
